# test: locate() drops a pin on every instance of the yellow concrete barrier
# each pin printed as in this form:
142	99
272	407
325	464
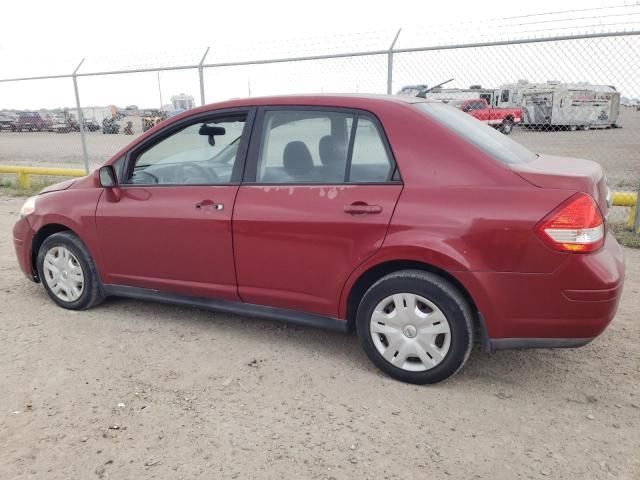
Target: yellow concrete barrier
22	173
618	199
626	199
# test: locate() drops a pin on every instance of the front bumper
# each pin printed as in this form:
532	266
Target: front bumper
22	240
566	308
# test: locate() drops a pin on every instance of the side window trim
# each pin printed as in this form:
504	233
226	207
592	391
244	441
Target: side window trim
251	164
352	142
241	157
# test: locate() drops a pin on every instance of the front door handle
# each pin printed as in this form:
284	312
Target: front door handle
209	203
361	208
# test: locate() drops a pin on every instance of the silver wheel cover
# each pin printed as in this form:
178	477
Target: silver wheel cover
63	274
410	332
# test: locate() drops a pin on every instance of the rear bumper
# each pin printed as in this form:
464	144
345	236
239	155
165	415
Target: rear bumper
566	308
22	239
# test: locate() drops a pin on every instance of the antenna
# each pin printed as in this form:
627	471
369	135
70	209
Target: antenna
423	93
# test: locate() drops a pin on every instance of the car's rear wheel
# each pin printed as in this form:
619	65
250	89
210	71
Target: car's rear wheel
68	273
415	326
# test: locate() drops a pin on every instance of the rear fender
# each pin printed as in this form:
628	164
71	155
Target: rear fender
398	254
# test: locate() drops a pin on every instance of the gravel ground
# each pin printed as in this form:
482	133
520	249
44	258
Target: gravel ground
140	390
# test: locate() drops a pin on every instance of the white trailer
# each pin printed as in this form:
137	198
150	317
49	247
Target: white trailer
568	105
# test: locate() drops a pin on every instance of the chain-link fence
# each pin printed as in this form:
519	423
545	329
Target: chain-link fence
573	95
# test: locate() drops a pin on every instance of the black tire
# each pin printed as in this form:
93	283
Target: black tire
506	126
448	299
92	293
573	128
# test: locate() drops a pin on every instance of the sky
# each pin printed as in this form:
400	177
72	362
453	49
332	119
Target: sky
126	34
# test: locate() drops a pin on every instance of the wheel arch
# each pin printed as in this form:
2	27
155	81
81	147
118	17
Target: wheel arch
375	272
40	236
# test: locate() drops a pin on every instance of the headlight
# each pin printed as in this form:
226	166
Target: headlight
29	207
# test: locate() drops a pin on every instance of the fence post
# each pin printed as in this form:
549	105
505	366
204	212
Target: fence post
201	75
83	140
390	63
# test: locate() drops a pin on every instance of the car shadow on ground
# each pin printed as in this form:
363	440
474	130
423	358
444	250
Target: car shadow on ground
505	367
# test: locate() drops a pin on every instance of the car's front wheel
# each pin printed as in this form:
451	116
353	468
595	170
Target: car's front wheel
415	326
68	273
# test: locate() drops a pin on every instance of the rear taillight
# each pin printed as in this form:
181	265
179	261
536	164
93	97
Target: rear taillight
574	226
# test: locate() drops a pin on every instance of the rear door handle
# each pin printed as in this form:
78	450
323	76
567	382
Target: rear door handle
358	208
209	203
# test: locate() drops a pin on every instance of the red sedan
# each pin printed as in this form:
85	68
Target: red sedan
406	220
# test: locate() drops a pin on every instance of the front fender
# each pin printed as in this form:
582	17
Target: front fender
79	206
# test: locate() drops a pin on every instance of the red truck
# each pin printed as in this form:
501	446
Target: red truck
501	118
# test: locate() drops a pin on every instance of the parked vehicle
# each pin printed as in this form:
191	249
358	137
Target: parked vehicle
60	127
629	102
503	119
109	126
7	122
479	102
151	118
30	121
406	220
65	124
91	125
569	106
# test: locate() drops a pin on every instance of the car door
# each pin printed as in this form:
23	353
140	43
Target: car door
320	188
168	225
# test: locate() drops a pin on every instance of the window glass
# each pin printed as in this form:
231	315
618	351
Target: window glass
505	95
370	161
304	147
488	139
300	147
203	153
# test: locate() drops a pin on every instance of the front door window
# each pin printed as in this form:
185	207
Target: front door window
203	153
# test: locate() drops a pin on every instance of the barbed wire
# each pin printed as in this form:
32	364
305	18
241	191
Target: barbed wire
611	18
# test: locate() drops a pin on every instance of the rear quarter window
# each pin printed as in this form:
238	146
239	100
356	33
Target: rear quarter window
491	141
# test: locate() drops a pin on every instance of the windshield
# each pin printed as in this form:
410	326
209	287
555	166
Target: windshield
486	138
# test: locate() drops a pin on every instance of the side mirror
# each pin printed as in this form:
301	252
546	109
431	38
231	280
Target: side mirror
108	177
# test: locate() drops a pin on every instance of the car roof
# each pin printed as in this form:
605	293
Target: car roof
361	101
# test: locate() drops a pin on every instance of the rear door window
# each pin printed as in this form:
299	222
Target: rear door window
321	147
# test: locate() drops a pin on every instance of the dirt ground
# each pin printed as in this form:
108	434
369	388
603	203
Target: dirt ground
134	390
